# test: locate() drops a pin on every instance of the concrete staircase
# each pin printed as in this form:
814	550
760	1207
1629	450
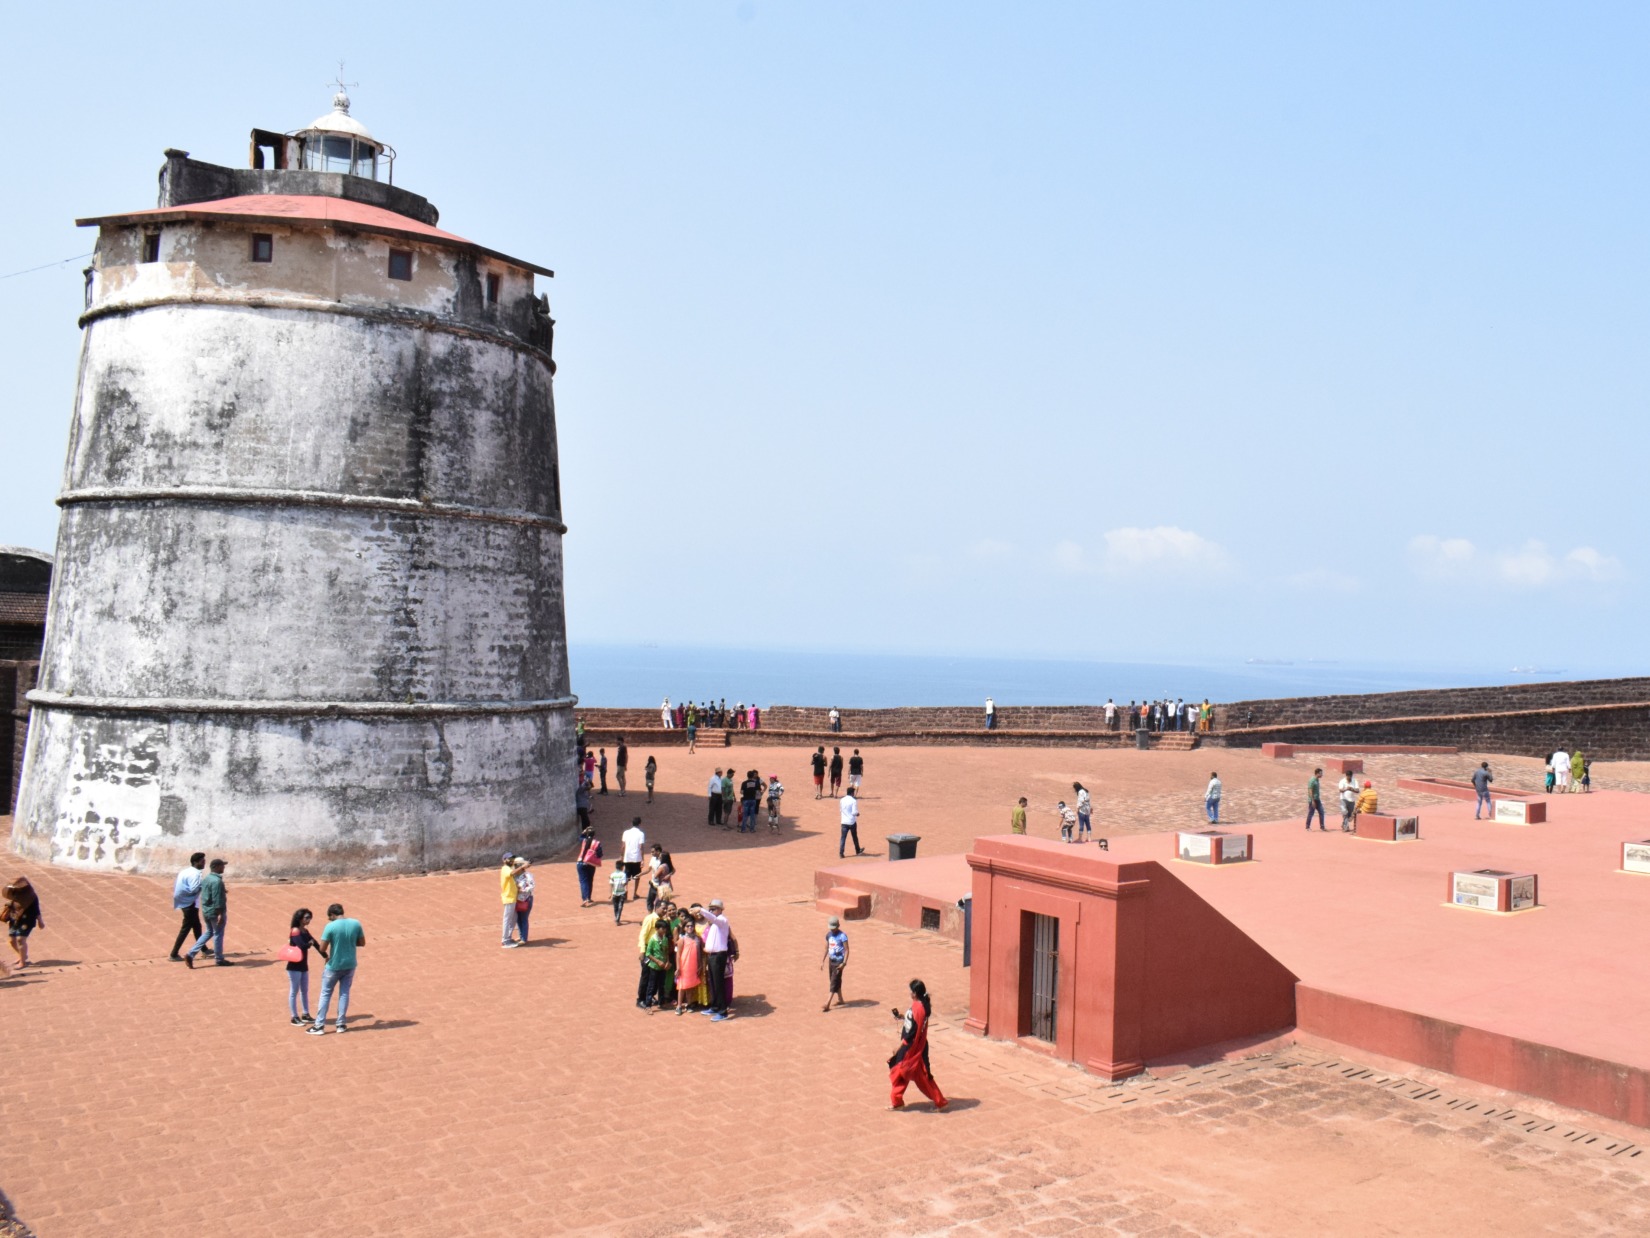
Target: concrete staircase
845	903
1175	741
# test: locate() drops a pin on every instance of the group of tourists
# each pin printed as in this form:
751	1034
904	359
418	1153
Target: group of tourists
1568	773
1353	799
593	767
691	716
1160	716
201	898
686	957
834	764
752	791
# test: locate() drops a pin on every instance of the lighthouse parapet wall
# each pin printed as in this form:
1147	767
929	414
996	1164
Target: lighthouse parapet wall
309	609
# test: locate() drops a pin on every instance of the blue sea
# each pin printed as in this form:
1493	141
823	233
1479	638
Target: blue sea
641	675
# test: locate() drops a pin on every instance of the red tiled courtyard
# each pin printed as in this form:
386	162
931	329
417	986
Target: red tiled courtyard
501	1092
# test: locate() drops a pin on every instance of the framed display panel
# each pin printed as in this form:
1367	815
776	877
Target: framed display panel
1494	889
1380	827
1521	812
1213	847
1635	857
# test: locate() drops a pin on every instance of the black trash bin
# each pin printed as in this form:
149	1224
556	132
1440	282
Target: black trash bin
1143	739
965	904
903	846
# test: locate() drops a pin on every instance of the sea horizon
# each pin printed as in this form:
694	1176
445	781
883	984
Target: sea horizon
642	675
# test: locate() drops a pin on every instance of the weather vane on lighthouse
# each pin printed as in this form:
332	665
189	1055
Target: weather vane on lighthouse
341	99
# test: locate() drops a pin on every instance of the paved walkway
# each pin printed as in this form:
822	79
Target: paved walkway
495	1092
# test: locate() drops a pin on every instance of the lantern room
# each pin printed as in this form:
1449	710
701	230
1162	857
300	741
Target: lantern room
336	142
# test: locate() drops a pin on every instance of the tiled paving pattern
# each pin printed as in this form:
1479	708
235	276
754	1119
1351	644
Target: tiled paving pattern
490	1092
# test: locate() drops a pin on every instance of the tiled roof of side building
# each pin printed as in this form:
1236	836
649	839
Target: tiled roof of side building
303	208
23	608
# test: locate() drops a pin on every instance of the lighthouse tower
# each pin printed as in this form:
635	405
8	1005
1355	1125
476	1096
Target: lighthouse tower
307	612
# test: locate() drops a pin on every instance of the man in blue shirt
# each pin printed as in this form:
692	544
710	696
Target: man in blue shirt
186	897
836	958
338	944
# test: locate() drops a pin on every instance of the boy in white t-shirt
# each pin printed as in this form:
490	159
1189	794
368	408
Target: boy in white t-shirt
1068	822
618	880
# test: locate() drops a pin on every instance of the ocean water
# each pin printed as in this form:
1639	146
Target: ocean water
642	675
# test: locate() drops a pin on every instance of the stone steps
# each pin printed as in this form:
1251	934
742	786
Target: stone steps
845	903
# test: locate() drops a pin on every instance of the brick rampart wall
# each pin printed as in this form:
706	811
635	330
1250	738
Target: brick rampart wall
1607	718
17	680
1453	702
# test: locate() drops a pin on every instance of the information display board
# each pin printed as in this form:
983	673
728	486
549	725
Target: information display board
1492	889
1382	828
1213	847
1521	812
1198	848
1635	857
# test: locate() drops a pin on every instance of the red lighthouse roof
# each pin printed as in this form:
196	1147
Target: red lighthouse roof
304	208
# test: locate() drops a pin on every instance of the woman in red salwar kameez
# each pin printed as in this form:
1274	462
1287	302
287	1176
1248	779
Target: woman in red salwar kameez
910	1061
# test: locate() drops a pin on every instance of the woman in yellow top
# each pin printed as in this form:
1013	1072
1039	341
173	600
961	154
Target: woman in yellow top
1578	766
1366	801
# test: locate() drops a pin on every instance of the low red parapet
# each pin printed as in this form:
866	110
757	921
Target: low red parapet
1110	963
1458	789
1277	751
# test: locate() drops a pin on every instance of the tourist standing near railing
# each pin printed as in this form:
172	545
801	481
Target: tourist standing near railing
667	715
990	714
1111	714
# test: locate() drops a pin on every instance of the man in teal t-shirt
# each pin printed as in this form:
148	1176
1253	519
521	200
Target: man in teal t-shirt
338	944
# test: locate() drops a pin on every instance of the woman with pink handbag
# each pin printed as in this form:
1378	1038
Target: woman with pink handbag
296	954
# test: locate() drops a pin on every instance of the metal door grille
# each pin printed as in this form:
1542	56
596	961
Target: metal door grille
1045	975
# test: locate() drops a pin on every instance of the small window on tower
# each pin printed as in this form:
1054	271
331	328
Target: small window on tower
400	264
151	247
263	247
493	282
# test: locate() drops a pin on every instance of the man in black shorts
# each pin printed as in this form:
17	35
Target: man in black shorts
836	772
819	773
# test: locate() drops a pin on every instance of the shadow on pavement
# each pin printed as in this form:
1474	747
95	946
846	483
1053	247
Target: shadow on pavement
751	1005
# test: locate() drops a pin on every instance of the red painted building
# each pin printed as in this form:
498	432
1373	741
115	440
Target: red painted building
1110	964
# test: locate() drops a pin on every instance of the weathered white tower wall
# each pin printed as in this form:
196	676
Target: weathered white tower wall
308	613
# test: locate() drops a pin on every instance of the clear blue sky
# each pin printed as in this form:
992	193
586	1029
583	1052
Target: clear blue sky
1116	331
